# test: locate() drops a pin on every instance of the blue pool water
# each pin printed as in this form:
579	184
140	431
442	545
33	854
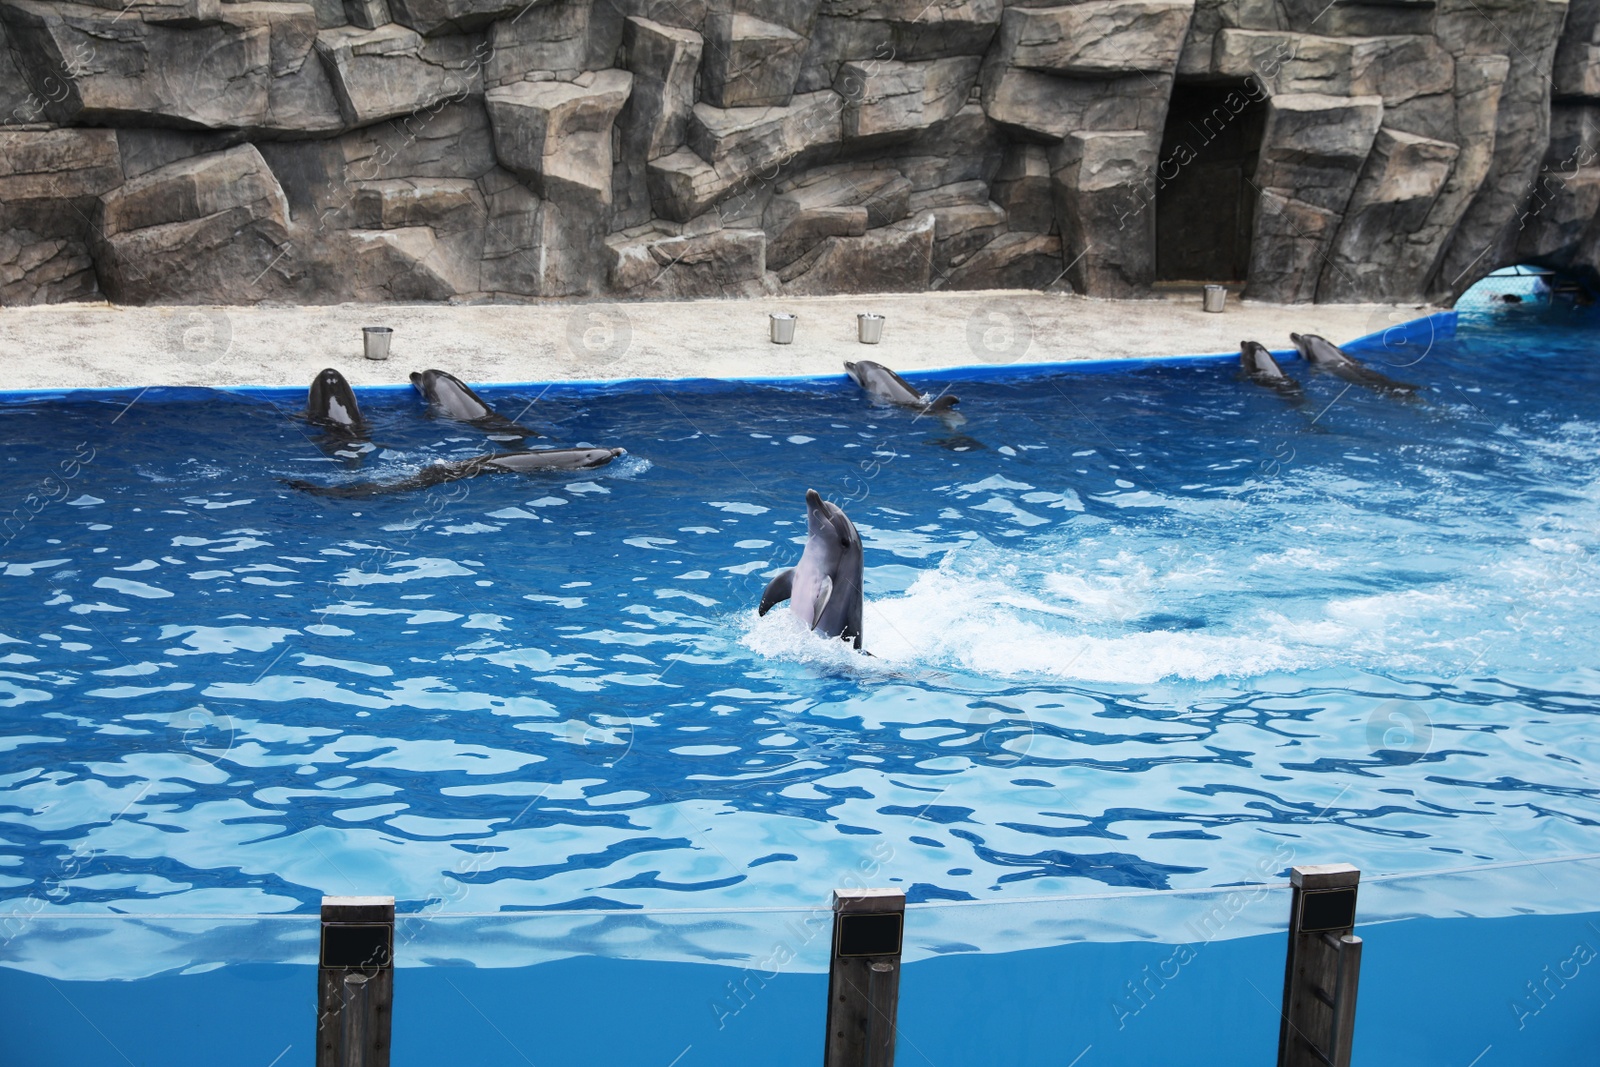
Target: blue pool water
1134	628
1157	629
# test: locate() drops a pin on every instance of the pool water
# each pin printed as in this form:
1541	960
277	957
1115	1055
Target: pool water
1132	628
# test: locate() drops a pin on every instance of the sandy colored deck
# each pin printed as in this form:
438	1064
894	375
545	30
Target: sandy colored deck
86	345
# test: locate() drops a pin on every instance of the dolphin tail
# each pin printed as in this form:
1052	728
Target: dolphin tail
778	590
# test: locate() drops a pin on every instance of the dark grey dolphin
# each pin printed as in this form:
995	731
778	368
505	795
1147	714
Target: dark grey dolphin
1325	355
331	405
544	459
824	588
884	384
1259	366
449	398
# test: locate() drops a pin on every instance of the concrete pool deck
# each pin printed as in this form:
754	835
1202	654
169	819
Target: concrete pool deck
99	345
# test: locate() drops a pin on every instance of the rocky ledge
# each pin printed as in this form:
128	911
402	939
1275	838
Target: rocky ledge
323	151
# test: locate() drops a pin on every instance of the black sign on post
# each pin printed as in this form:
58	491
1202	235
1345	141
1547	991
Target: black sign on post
355	981
864	977
1322	970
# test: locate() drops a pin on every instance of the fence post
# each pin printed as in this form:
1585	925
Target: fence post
1323	968
355	981
864	977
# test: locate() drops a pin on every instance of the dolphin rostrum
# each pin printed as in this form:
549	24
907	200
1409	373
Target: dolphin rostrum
545	459
884	384
331	406
448	397
824	588
1259	366
1325	355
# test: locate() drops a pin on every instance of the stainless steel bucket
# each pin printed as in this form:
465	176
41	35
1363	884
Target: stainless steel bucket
1216	296
782	328
375	341
869	328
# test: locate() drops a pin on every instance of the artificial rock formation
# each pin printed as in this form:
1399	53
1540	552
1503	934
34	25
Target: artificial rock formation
330	150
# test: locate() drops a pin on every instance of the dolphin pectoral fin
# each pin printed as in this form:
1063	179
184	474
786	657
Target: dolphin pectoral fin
824	594
778	590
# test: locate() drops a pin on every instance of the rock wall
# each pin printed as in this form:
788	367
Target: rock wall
318	151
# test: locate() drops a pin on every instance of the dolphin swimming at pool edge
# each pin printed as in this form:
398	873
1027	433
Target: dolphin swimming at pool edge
450	398
331	405
1325	355
544	459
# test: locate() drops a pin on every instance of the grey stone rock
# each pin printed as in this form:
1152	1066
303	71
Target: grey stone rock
890	97
1107	245
749	62
1395	68
1398	187
1023	187
1314	146
872	31
1289	248
1050	107
1354	18
144	150
367	14
433	17
682	14
1010	261
1566	195
890	259
1576	72
67	165
548	41
656	265
441	204
513	253
1526	33
664	61
44	254
966	148
392	71
211	229
557	135
329	13
1096	37
961	229
249	66
732	150
844	200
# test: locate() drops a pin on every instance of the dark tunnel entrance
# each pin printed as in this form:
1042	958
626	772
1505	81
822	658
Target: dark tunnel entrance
1205	192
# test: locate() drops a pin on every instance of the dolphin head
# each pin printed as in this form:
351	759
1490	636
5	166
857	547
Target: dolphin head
331	403
1255	360
854	371
1302	343
419	382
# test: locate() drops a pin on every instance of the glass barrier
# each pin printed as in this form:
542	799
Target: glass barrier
1491	965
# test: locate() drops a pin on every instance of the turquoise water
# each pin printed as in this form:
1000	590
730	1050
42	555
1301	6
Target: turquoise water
1133	628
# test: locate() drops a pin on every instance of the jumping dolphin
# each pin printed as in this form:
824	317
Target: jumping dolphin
546	459
1259	366
1325	355
448	397
331	406
884	384
824	588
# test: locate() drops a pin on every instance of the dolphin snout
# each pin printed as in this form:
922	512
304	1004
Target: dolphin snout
416	380
813	498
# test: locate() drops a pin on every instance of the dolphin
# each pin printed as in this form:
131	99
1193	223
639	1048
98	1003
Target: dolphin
1325	355
884	384
449	398
545	459
1259	367
824	588
331	405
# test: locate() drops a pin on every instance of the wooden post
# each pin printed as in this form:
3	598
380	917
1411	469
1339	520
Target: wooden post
1323	968
355	982
864	977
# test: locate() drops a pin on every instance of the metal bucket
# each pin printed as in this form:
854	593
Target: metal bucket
1216	296
375	341
869	328
782	328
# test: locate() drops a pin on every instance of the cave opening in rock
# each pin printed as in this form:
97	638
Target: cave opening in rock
1205	181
